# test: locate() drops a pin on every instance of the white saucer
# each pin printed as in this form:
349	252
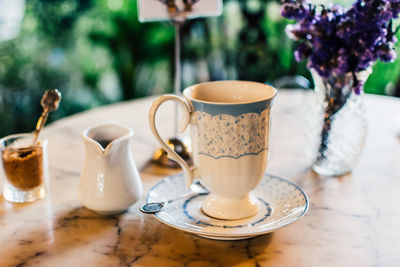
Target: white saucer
280	203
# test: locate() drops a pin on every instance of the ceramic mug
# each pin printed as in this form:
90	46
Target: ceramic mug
230	122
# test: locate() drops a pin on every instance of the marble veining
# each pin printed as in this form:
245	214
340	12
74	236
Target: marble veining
352	220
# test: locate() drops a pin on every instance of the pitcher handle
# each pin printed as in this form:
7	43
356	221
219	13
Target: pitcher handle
186	115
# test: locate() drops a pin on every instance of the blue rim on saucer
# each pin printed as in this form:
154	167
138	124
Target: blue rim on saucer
281	203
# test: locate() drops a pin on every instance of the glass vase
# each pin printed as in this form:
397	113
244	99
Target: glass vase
336	125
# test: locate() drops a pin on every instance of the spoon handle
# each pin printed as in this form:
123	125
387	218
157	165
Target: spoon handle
50	101
154	207
185	195
42	120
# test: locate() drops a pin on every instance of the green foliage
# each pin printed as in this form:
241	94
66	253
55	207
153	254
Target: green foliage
131	44
89	52
384	76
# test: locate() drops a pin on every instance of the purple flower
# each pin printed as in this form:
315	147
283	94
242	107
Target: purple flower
337	41
358	87
386	53
302	51
395	5
342	66
294	10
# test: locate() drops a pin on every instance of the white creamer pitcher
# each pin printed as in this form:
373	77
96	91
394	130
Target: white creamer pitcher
110	182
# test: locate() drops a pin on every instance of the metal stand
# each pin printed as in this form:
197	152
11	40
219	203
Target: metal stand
160	156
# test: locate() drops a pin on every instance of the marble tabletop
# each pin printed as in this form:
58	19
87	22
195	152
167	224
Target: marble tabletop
352	220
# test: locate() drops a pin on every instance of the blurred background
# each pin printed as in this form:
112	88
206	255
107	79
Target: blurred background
96	52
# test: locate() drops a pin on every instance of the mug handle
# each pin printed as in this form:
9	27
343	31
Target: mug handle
186	115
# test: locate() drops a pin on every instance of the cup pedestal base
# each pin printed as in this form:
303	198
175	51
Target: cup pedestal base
229	208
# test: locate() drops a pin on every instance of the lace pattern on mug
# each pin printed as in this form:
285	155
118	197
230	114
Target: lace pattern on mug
225	135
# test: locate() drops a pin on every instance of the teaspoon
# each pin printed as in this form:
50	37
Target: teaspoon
153	207
50	101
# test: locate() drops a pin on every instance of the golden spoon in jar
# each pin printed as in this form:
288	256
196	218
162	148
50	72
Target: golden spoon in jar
50	101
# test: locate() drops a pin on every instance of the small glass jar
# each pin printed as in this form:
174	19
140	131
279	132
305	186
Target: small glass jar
24	168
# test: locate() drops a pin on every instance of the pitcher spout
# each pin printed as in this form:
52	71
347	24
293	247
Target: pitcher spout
105	136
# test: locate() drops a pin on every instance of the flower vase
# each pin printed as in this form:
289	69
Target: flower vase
336	126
